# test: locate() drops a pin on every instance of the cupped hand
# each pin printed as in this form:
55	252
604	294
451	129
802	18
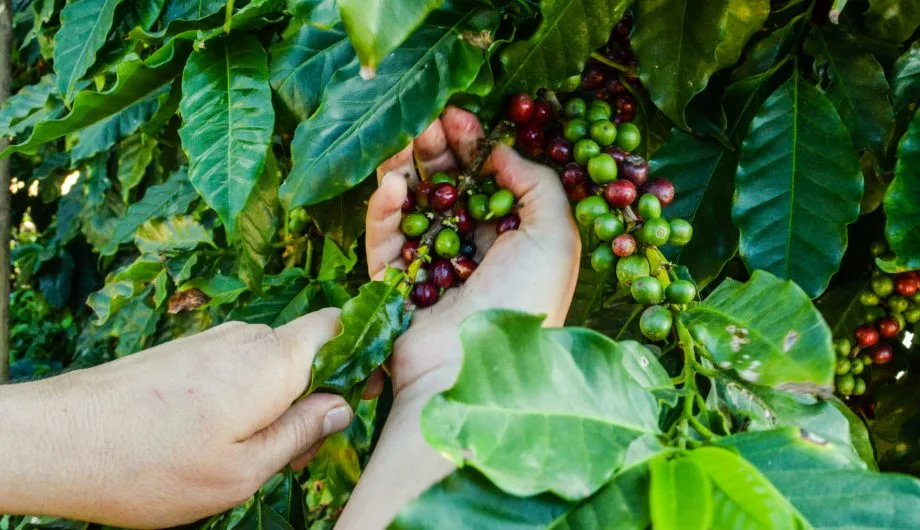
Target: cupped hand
532	269
172	434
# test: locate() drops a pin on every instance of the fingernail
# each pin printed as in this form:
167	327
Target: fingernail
336	420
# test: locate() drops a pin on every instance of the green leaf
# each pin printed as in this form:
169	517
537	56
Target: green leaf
361	123
703	174
797	188
377	27
220	289
227	122
108	300
342	218
335	264
741	496
565	38
303	63
142	270
335	470
136	80
257	225
590	291
163	200
788	347
284	494
134	324
902	201
905	83
280	305
135	154
371	322
680	44
841	309
261	517
175	234
824	486
857	89
507	417
189	10
762	55
100	137
892	20
85	25
680	495
29	101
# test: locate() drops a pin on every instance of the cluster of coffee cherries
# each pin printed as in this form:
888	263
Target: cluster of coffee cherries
891	302
438	261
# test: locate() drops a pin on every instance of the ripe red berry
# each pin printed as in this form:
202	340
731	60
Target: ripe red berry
573	175
424	294
559	151
520	110
593	78
635	169
423	193
618	154
542	113
624	245
463	266
626	104
442	274
614	86
888	327
882	353
661	188
444	196
465	223
866	335
906	285
577	192
620	193
508	222
530	139
410	250
408	203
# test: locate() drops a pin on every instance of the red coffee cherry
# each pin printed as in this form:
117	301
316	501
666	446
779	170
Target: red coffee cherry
442	274
542	113
661	188
424	294
423	193
624	245
620	193
410	250
866	335
888	327
465	223
508	222
444	196
463	266
408	203
882	353
520	110
906	285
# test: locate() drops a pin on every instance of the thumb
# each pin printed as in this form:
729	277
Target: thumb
307	423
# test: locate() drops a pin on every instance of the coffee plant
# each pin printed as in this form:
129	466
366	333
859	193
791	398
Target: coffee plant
745	175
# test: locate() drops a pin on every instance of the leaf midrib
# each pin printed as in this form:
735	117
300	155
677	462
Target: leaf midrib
795	149
72	81
554	413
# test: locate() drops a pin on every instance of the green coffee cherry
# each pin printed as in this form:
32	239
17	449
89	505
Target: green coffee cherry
414	224
602	259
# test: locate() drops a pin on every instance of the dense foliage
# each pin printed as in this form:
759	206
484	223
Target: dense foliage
178	164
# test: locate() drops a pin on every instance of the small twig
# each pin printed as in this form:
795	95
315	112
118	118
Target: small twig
612	64
228	16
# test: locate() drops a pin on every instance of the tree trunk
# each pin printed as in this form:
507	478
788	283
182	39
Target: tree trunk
6	49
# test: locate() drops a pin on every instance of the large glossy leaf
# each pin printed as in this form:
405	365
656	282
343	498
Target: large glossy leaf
334	472
765	53
260	516
376	27
136	80
189	10
858	88
30	100
680	496
134	324
797	188
258	223
85	25
100	137
466	499
703	174
112	297
568	33
280	305
509	416
342	218
174	234
303	63
220	289
823	484
893	20
135	154
227	122
681	44
172	197
788	346
371	322
902	201
905	83
360	123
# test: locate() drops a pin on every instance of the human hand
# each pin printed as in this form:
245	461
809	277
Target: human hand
172	434
533	269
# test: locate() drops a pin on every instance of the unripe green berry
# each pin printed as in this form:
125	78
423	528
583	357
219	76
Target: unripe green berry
681	232
649	207
414	224
602	259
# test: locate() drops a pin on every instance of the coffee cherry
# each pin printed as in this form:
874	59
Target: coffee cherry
624	245
410	250
575	108
423	193
478	206
444	196
520	110
603	132
618	154
408	203
868	298
866	335
577	192
620	193
898	304
559	151
500	203
842	346
681	292
598	111
865	358
424	294
447	243
906	285
414	224
602	168
878	248
883	286
681	232
463	220
488	186
856	366
542	113
592	78
586	149
882	353
661	188
635	170
912	315
628	137
440	177
575	130
507	223
608	226
655	232
468	249
649	207
655	323
442	274
842	366
631	268
845	384
888	327
647	291
530	138
589	209
626	106
899	317
874	313
573	174
859	386
464	267
602	259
